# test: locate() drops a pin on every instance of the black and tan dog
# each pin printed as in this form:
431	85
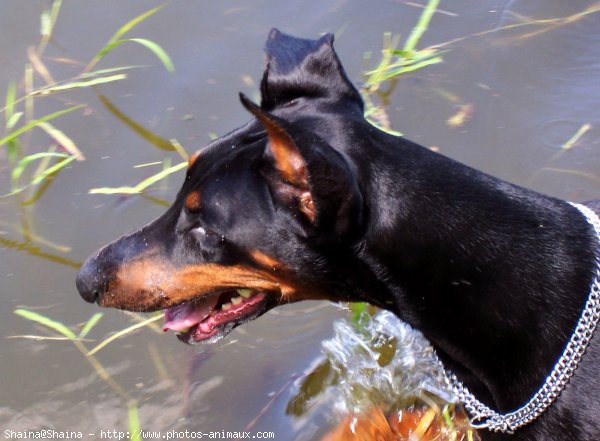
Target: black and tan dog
309	201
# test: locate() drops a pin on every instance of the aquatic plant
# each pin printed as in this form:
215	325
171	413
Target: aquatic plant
65	333
19	111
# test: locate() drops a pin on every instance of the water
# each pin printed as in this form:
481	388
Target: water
529	95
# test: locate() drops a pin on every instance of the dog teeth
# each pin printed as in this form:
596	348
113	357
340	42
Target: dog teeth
226	306
244	292
236	300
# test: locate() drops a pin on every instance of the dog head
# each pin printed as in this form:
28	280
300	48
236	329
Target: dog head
267	215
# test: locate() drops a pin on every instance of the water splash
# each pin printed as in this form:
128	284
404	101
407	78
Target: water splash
385	362
388	384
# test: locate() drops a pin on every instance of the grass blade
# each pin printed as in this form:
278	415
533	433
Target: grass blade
39	66
108	48
45	162
28	87
156	50
134	22
123	332
417	57
36	122
39	337
179	149
51	170
13	120
45	27
13	148
160	176
135	432
11	94
47	22
142	185
421	26
90	324
107	71
45	321
117	35
411	68
41	175
151	45
576	137
572	142
54	15
63	140
114	190
79	84
23	163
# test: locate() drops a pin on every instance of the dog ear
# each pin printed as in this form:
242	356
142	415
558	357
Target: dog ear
298	68
310	177
286	160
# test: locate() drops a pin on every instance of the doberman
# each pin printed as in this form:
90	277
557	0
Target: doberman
310	201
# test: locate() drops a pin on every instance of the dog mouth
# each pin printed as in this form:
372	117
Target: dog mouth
210	318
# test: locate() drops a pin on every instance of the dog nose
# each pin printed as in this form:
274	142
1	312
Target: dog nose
98	273
89	282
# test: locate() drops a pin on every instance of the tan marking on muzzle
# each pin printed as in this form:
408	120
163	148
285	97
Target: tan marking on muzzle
265	261
148	284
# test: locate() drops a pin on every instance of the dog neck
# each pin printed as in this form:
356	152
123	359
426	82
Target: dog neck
496	276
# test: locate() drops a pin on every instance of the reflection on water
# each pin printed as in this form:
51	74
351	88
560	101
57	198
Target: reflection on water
506	101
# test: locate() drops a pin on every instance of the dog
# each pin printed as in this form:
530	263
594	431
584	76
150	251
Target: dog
310	201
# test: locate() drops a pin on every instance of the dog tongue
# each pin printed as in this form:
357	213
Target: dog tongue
188	314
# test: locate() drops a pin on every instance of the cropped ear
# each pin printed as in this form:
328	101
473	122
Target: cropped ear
309	177
298	67
287	161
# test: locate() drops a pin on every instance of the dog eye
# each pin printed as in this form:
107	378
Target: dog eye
199	231
206	237
291	102
200	234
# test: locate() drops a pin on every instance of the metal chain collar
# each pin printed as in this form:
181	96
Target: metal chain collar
482	417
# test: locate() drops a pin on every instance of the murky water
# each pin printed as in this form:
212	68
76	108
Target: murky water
528	90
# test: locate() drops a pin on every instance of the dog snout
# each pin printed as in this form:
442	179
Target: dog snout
100	270
90	281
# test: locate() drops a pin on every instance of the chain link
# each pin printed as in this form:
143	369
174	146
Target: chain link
482	417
